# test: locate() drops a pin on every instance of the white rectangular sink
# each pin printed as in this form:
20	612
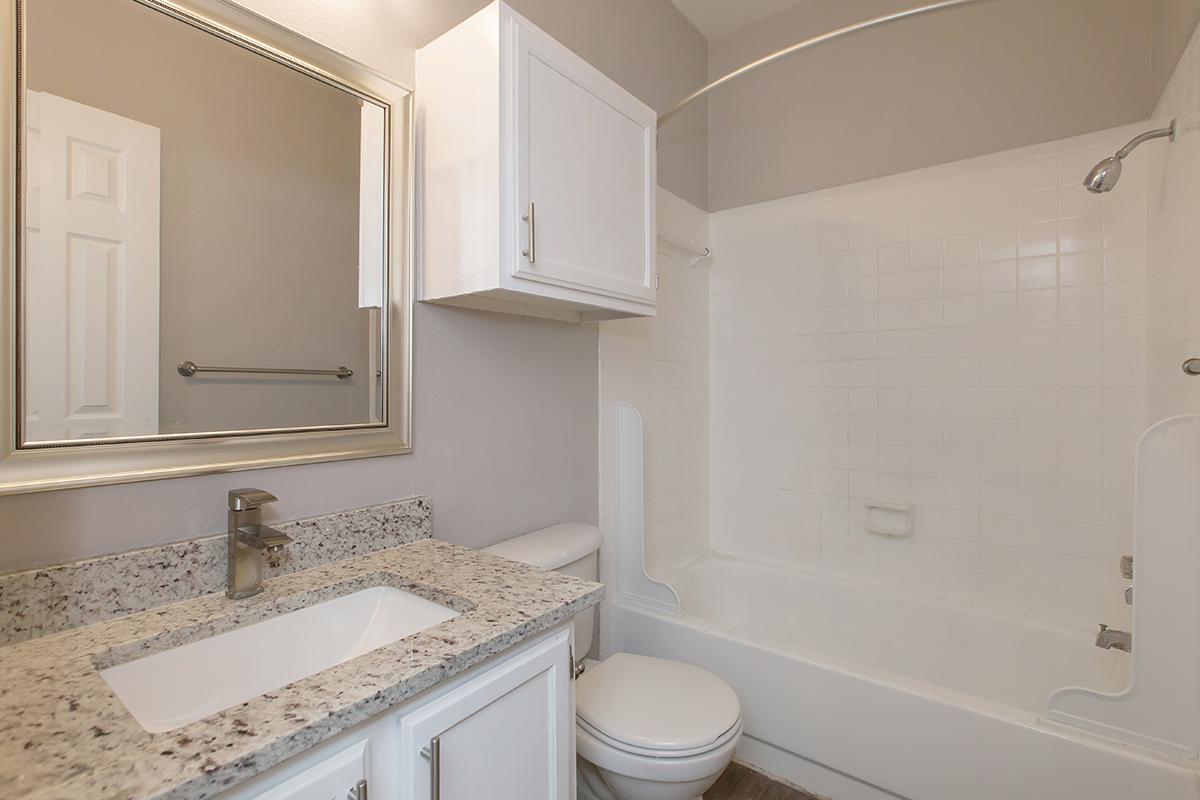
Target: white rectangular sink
167	690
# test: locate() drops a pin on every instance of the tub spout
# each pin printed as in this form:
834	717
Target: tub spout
1113	639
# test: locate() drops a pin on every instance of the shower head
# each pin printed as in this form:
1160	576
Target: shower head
1104	176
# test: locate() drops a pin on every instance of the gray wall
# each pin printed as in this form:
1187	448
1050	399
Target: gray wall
505	410
259	247
647	46
1173	21
952	85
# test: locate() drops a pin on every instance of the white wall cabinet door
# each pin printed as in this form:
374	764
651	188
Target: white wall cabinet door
505	735
584	153
537	177
92	272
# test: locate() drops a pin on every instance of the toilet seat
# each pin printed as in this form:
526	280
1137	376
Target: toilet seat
651	752
656	708
662	768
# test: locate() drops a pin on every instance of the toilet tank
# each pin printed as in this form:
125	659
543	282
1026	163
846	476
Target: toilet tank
569	547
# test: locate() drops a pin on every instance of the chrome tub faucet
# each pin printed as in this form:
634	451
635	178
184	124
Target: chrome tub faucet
248	540
1113	639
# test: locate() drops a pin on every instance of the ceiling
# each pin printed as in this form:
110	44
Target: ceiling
715	18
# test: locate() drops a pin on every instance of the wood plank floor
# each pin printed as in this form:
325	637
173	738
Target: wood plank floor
742	783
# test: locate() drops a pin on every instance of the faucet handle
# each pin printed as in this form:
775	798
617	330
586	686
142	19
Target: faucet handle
249	499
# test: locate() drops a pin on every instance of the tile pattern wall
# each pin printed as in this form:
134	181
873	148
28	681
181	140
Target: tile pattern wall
1174	244
660	365
968	338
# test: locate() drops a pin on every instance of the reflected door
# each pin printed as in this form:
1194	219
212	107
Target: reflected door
92	272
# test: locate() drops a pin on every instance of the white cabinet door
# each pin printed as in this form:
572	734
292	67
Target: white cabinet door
505	735
585	174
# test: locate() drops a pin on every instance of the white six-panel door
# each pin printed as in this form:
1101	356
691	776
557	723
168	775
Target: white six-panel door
92	272
585	169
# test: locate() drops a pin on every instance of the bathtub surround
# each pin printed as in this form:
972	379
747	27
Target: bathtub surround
1157	708
969	339
1173	254
39	602
660	365
63	734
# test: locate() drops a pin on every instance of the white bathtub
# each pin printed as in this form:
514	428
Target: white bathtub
894	695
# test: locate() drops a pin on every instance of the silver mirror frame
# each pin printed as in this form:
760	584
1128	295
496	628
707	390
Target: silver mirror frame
88	463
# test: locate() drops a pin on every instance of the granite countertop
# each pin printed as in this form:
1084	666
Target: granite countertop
64	734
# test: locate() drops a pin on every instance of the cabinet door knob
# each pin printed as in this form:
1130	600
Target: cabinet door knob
359	792
531	251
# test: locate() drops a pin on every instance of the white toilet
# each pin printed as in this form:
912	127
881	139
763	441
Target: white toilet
646	728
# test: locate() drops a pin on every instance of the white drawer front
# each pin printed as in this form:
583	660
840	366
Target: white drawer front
334	777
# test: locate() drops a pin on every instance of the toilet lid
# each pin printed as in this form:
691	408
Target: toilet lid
656	704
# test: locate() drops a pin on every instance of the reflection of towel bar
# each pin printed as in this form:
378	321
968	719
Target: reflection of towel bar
189	368
887	505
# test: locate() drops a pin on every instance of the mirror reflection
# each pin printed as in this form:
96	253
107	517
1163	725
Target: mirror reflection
203	247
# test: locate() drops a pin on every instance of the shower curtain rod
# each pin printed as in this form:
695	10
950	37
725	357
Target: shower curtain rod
807	43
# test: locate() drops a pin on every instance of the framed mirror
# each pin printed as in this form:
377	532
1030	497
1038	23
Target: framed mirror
208	263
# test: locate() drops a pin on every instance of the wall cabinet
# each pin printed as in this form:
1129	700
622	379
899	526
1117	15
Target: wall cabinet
536	177
504	731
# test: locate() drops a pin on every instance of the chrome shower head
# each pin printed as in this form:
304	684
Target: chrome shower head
1104	176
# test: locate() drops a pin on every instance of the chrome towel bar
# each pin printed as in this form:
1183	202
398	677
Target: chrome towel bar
189	368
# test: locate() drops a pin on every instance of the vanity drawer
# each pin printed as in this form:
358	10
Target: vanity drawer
325	776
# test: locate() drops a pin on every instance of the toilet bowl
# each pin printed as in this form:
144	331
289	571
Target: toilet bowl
651	729
646	728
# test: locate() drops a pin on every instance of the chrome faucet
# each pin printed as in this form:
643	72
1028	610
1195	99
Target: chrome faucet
248	540
1113	639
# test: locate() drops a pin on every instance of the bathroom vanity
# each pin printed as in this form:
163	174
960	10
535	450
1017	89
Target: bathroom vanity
502	730
431	651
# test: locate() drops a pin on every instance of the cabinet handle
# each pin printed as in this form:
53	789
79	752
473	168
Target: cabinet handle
359	792
434	754
531	251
